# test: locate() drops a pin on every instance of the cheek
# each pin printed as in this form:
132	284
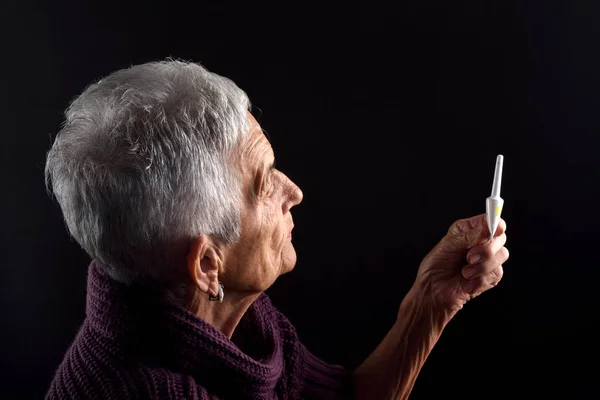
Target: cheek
271	225
272	236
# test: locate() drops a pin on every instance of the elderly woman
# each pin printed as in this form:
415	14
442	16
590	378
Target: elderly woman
167	181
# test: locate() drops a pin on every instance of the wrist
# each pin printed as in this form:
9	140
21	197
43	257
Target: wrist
421	301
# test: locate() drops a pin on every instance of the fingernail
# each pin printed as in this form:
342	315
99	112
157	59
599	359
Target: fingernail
474	259
468	272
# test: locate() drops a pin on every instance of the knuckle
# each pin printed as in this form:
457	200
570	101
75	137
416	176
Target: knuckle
496	275
460	225
467	224
487	252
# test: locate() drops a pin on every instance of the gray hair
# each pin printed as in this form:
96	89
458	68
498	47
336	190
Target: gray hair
142	165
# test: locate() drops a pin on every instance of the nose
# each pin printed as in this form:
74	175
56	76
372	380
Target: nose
294	198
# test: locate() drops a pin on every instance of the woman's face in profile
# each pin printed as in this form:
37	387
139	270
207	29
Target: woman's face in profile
265	250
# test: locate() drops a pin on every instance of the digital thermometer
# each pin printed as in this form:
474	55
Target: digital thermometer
494	203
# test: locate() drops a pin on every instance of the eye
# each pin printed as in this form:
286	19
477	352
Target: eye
264	186
269	184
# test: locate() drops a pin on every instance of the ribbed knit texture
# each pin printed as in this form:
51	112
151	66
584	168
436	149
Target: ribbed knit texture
133	345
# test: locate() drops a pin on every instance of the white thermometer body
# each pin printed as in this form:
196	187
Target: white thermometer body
494	203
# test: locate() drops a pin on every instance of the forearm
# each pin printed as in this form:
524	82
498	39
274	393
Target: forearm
391	370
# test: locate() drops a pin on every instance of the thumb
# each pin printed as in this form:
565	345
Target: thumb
470	232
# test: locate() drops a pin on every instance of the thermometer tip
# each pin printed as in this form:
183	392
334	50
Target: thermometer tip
498	176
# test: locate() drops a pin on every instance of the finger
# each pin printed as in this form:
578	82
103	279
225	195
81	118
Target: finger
466	225
486	250
501	228
483	268
470	231
476	286
474	231
484	235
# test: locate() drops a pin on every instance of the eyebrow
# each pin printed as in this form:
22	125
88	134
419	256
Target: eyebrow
269	169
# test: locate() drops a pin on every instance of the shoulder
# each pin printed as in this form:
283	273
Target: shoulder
92	369
121	381
141	383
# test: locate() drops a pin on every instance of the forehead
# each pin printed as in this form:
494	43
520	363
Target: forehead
253	153
255	148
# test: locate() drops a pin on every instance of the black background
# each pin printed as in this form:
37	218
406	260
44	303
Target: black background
389	117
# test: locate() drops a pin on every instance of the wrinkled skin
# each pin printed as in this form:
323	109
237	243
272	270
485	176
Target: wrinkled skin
449	275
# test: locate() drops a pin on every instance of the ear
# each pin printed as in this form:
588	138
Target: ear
204	260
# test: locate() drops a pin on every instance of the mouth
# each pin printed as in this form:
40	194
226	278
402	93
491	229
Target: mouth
290	234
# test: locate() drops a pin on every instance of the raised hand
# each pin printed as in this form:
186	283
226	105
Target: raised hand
464	264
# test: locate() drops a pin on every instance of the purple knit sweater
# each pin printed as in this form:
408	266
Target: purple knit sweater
136	346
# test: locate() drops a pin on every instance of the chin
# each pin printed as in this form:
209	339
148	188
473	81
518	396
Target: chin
288	258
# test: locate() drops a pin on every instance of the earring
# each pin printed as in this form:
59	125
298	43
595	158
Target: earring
219	298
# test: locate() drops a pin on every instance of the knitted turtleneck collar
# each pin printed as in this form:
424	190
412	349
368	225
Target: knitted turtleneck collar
159	334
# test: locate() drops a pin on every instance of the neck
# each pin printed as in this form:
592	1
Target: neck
224	316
